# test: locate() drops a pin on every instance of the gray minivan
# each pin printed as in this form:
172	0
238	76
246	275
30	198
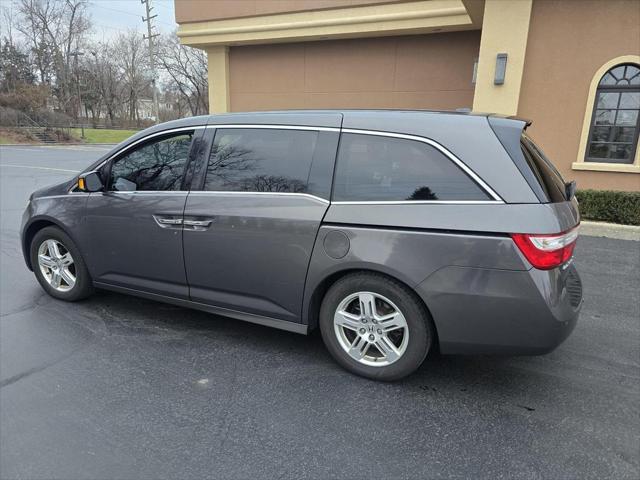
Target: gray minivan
394	232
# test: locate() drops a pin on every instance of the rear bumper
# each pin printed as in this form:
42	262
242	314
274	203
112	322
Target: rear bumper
490	311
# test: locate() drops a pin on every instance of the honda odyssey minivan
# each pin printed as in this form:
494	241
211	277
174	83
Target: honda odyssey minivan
393	232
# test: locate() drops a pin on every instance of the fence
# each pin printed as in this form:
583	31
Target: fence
45	118
47	126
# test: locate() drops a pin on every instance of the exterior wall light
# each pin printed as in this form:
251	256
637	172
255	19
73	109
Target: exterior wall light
474	76
501	68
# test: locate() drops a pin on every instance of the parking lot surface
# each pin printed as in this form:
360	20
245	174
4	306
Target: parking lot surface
119	387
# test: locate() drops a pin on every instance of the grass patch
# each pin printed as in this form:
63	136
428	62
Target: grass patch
610	206
102	135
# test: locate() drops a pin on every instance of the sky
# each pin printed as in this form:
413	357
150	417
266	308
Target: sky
111	17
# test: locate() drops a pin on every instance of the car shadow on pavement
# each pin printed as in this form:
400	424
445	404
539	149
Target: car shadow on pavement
124	315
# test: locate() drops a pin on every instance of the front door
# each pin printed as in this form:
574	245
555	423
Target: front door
250	227
135	225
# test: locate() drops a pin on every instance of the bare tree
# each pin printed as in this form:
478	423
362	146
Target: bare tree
187	69
54	29
132	63
7	22
102	83
111	77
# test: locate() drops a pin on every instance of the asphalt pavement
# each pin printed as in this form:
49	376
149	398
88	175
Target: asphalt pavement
119	387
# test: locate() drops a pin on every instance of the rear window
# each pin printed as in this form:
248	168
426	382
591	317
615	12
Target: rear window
546	174
378	168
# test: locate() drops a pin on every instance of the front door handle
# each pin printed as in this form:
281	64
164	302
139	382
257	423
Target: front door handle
168	221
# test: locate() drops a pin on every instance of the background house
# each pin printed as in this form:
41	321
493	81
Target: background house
572	67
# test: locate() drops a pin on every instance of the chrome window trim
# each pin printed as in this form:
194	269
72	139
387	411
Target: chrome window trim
204	193
441	149
144	192
124	192
420	202
275	127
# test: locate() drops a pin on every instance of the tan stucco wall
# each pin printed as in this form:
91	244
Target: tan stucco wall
504	31
422	71
204	10
568	42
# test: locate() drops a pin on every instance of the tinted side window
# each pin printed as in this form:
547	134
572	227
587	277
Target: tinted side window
260	160
548	177
155	166
376	168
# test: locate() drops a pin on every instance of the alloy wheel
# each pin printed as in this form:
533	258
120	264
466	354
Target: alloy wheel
57	265
371	329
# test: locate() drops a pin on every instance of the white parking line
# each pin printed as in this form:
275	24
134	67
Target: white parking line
39	168
20	149
76	148
40	148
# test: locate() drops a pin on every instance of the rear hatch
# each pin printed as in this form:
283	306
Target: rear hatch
544	251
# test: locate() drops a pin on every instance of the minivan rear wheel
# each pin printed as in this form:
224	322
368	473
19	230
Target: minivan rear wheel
375	327
58	265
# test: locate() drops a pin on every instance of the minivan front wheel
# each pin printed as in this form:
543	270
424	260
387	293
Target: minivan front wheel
375	327
58	265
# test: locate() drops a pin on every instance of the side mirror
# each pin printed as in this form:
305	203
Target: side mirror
90	182
570	189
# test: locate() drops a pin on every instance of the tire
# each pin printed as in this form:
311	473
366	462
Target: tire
348	295
83	285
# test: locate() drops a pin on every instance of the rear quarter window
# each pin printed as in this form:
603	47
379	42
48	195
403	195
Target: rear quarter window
379	168
546	174
539	173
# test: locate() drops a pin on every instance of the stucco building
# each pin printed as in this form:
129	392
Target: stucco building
570	66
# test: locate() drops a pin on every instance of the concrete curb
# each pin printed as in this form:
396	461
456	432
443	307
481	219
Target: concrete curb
610	230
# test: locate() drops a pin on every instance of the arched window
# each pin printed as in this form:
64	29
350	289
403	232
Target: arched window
615	123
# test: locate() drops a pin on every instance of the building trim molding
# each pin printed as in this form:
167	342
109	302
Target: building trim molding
580	164
421	16
607	167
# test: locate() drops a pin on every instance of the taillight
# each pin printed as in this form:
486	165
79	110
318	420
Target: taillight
547	251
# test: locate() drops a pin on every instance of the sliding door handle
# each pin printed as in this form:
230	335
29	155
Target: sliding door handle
198	225
176	222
